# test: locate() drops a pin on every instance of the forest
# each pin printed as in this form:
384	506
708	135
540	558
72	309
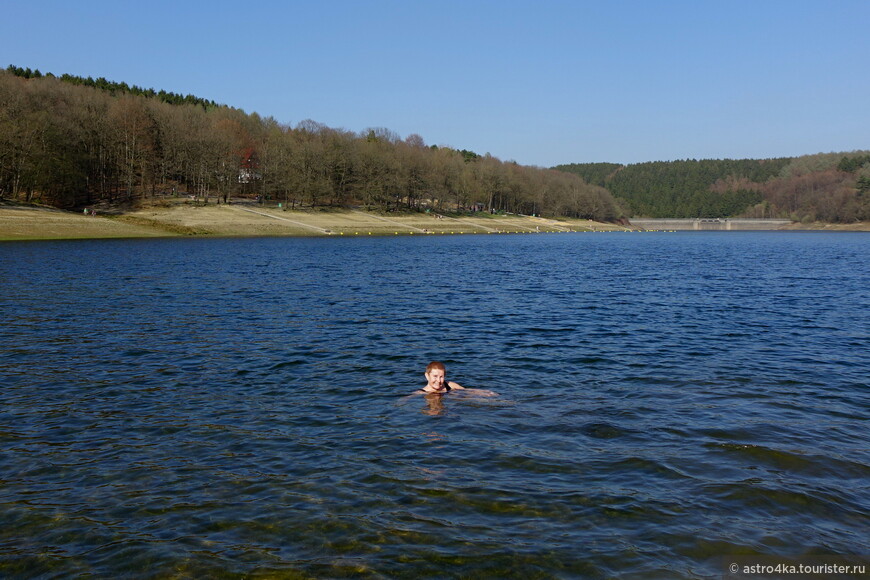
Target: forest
828	187
71	142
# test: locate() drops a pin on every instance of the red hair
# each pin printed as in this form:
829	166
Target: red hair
435	365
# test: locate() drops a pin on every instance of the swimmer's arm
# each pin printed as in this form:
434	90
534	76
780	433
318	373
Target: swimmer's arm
473	391
453	385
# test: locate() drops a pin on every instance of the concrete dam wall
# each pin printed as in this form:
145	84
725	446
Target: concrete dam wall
723	224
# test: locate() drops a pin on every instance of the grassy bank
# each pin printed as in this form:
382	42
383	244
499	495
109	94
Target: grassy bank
183	218
245	219
823	226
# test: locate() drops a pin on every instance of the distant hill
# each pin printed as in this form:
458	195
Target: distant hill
827	187
71	141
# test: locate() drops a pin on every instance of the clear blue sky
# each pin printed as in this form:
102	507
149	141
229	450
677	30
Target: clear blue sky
539	82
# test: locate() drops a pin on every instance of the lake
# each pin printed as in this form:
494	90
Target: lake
239	407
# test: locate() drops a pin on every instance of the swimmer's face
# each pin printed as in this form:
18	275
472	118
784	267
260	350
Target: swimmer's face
436	379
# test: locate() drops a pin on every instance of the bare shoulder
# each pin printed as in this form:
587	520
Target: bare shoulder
453	385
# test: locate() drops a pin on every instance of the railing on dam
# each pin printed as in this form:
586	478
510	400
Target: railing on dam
709	224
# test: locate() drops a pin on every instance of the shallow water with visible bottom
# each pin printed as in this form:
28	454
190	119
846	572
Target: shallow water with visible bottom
239	407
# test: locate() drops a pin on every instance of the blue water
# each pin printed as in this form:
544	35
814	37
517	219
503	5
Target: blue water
238	407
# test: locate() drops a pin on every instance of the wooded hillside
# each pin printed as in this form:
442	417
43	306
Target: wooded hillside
832	187
68	142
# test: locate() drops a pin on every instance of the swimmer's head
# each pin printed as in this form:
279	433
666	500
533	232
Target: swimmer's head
436	375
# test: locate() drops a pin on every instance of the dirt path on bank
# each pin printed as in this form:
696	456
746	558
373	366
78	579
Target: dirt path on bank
277	217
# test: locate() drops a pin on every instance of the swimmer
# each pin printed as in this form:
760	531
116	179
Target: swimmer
437	383
436	380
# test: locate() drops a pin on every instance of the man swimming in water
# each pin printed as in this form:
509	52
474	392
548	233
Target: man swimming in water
437	383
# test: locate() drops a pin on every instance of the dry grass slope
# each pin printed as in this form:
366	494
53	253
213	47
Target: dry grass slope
247	220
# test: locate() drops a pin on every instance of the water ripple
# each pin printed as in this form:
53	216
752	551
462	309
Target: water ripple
230	408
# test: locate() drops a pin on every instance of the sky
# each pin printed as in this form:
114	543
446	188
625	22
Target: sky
541	82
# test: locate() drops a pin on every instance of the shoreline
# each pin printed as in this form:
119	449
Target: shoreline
242	219
175	218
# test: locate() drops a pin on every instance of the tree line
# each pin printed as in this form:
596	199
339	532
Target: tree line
831	187
115	88
70	142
